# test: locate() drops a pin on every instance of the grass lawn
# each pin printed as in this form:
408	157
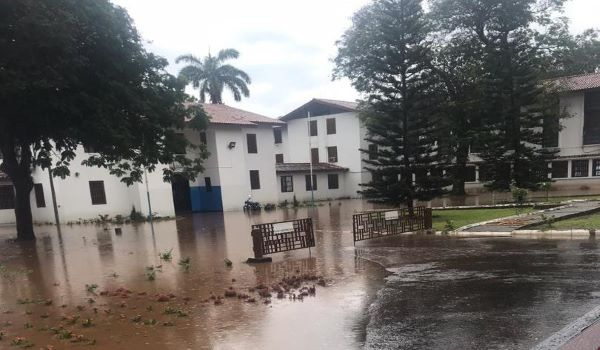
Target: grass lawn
462	217
583	222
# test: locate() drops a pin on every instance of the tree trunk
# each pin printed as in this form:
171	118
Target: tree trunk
458	181
18	170
23	215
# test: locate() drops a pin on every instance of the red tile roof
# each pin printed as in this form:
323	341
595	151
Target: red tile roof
223	114
305	167
579	82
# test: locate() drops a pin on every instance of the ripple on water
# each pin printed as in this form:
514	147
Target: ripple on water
430	272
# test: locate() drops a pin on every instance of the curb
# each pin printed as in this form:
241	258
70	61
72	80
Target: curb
570	331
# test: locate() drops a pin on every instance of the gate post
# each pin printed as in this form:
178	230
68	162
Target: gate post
428	218
257	244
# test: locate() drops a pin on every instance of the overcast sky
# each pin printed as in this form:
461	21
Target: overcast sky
286	46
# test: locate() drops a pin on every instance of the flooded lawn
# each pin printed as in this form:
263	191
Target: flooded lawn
409	292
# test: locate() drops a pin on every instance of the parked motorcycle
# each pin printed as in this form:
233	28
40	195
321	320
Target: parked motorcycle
250	205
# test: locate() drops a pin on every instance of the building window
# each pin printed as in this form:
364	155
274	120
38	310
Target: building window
580	168
331	126
596	168
251	139
313	128
373	152
207	184
308	183
40	200
287	184
560	169
7	197
277	135
97	192
203	138
332	154
333	181
470	174
591	118
279	158
314	155
254	180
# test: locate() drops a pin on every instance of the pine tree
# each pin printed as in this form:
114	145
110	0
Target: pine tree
457	63
387	56
515	104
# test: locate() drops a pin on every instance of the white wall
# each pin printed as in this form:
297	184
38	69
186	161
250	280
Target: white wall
570	139
235	165
211	165
74	200
322	193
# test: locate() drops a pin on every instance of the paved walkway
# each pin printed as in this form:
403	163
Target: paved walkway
589	339
510	224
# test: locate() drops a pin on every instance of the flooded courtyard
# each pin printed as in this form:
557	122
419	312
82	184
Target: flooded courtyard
88	285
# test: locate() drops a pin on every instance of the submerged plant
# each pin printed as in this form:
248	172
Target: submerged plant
87	322
21	342
151	274
169	310
185	263
91	288
167	255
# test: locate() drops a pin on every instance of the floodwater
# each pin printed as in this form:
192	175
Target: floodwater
408	292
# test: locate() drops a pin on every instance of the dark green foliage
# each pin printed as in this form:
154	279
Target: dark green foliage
387	56
75	72
211	76
457	65
515	104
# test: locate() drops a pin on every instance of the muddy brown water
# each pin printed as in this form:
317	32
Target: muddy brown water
409	292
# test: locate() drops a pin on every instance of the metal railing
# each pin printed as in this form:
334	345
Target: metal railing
282	236
382	223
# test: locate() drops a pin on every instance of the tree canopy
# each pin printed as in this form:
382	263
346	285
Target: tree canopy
211	76
75	72
387	55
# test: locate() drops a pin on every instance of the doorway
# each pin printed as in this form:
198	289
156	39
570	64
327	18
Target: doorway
181	194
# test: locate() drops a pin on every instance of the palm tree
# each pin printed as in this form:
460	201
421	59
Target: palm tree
211	76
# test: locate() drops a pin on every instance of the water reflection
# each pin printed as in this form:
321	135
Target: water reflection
470	293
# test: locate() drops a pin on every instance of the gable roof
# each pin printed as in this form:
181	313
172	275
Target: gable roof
223	114
320	106
579	82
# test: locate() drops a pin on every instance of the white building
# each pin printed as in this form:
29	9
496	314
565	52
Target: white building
331	139
250	155
241	162
86	194
577	163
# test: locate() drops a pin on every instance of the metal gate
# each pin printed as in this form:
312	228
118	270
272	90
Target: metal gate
381	223
282	236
